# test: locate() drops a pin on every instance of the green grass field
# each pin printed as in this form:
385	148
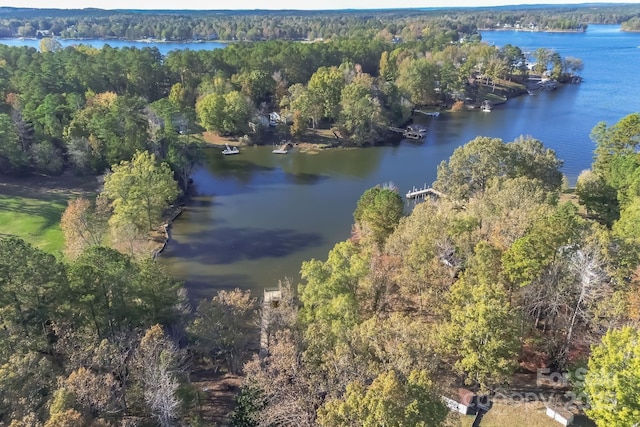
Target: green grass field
33	220
31	208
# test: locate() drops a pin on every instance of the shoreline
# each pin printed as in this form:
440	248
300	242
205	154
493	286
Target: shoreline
526	30
123	39
165	230
320	139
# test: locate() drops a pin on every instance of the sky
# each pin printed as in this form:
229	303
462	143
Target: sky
276	4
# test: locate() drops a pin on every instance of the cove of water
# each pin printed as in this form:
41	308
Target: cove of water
256	216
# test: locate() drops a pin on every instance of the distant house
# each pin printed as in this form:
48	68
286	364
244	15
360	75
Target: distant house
43	33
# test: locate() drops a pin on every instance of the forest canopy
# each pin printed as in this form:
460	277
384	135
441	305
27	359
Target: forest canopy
503	272
498	274
407	24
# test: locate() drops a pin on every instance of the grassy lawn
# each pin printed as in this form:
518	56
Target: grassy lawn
30	208
509	415
211	138
34	220
530	414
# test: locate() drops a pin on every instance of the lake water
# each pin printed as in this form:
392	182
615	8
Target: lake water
163	47
257	215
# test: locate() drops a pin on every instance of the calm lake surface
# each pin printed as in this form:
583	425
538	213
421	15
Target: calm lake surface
163	47
256	216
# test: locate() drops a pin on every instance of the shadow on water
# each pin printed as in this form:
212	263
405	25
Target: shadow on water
228	245
240	170
247	178
304	178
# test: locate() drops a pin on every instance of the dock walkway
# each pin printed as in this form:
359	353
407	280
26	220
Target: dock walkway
270	300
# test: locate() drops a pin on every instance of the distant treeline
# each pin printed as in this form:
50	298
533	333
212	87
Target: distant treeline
407	24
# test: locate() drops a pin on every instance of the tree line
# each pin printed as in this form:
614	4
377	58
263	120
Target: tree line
84	109
295	25
105	336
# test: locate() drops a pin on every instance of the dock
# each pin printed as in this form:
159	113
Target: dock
284	148
411	132
417	193
270	300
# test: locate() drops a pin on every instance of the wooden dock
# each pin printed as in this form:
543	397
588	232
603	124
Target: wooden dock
270	300
416	193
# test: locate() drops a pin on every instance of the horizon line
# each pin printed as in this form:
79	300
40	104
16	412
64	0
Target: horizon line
351	9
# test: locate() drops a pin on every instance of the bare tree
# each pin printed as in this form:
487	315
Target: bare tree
591	285
158	364
290	395
565	296
161	397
